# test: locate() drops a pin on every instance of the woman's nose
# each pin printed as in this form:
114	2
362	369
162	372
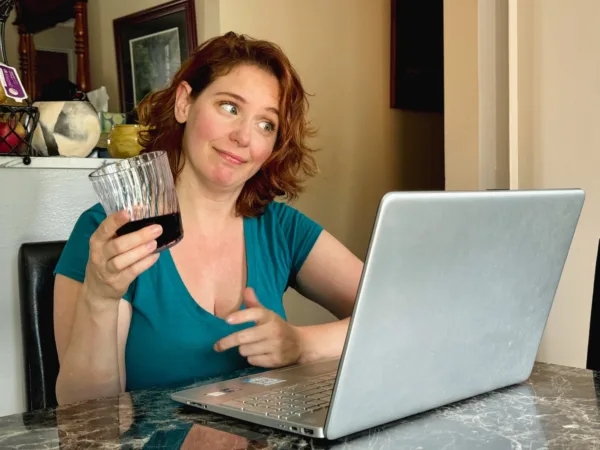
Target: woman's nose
241	134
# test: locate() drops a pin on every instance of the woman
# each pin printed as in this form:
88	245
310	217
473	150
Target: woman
233	122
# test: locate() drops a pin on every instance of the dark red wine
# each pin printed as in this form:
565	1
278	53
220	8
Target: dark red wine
170	223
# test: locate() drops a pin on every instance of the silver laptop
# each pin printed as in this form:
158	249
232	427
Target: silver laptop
453	300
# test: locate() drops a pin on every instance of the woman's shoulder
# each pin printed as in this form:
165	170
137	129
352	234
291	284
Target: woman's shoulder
289	220
91	218
87	222
297	232
282	212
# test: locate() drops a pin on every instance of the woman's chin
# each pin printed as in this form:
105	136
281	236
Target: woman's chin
225	181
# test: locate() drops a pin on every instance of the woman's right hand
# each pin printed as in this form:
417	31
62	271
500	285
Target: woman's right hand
115	261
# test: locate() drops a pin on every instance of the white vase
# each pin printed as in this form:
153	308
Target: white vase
66	128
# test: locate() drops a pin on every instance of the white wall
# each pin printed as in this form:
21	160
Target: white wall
555	55
40	202
545	77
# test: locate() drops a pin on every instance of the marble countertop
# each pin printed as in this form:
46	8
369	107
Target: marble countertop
558	408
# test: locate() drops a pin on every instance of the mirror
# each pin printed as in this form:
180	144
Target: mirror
53	46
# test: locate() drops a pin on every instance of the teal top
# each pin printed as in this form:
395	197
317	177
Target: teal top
171	337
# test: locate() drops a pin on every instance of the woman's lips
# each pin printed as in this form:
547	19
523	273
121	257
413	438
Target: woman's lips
230	157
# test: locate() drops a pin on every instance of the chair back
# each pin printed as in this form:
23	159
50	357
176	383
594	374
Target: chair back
36	287
593	353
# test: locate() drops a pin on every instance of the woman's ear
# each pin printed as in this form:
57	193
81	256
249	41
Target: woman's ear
183	102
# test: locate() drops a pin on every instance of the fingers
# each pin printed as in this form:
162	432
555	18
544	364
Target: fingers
124	260
259	315
266	360
135	269
257	348
114	262
248	336
127	242
111	224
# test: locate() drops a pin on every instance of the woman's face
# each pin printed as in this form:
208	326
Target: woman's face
231	127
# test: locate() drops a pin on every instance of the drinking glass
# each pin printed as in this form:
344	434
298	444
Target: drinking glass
144	187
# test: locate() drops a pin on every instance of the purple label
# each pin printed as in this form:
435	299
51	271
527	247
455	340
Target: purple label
12	83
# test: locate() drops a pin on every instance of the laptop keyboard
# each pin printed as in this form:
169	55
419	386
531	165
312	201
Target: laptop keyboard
292	401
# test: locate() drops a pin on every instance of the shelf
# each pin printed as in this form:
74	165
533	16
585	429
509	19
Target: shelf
53	162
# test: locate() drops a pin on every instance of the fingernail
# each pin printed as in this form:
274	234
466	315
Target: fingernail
156	229
151	245
230	319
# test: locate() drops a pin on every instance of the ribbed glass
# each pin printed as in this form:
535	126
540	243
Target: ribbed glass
144	187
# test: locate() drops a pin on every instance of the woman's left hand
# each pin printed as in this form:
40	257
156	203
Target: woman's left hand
271	343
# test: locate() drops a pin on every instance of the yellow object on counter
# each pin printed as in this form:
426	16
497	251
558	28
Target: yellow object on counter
123	141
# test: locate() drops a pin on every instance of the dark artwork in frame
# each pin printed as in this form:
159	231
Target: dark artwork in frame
151	45
417	55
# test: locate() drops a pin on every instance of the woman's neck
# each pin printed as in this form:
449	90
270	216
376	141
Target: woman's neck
203	209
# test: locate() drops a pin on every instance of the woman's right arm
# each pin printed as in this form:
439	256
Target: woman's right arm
91	320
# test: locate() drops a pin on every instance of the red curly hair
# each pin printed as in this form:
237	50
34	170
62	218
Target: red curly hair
291	161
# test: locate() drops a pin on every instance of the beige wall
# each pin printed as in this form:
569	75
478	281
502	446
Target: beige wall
461	96
103	62
558	62
348	73
476	94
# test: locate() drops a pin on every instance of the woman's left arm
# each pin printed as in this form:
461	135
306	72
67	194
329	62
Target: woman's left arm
329	276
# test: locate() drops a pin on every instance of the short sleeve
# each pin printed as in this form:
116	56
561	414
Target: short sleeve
74	258
300	232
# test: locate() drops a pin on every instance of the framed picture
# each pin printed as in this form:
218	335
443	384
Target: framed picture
150	46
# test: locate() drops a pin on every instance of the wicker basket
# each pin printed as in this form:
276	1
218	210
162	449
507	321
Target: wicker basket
17	124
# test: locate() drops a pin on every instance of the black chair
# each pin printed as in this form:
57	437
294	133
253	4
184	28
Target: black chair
36	284
593	354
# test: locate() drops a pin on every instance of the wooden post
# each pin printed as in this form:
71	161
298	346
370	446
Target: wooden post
27	62
82	48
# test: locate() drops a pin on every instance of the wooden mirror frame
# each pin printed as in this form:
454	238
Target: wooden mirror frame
82	51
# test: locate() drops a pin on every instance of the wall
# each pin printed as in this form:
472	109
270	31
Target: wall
348	74
476	121
103	62
45	202
556	91
536	61
461	96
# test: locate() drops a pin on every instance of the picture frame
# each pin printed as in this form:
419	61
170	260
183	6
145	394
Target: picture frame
417	56
150	47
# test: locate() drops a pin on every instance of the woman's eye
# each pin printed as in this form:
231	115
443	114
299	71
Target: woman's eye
267	126
229	107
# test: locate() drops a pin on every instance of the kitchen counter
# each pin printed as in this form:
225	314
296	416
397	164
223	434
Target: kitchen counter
558	407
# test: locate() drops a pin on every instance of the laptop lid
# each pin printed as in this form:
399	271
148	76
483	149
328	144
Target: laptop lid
453	300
